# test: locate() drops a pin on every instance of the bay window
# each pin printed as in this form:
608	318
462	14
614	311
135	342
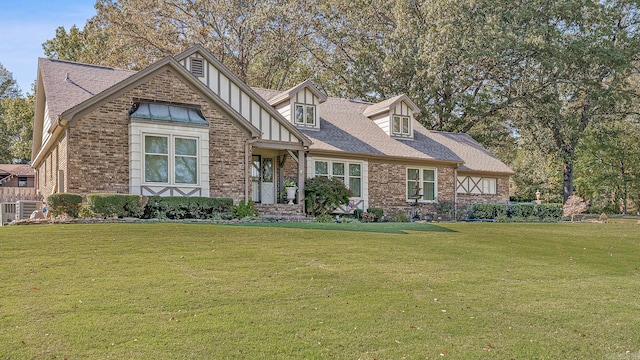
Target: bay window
170	159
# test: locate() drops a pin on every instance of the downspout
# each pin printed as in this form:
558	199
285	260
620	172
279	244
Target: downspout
247	166
455	193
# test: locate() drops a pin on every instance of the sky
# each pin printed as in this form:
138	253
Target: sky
26	24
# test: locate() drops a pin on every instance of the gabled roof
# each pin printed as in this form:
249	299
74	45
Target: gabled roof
17	170
287	94
346	130
246	88
389	104
67	84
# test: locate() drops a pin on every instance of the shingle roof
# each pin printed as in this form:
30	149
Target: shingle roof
17	169
67	84
344	128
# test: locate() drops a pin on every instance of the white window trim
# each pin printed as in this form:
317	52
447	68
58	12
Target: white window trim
467	184
421	182
171	160
304	114
137	131
402	118
346	176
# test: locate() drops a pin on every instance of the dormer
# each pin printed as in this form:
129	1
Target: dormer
394	116
300	105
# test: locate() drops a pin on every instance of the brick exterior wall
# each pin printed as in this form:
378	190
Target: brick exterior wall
98	144
502	195
387	187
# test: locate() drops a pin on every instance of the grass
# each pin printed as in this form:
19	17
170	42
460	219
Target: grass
191	291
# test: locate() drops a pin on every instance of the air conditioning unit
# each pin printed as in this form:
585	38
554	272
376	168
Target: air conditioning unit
24	208
7	212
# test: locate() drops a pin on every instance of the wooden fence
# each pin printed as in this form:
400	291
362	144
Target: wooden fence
12	194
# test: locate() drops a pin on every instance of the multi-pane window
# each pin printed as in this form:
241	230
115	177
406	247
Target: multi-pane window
22	182
401	125
489	185
421	184
349	173
170	160
305	114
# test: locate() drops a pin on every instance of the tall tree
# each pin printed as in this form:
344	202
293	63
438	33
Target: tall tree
578	59
8	90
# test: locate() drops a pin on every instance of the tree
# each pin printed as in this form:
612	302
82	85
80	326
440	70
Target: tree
9	92
575	205
579	57
608	165
17	118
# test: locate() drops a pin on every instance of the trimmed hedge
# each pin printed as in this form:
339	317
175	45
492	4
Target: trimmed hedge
118	205
178	207
64	204
529	212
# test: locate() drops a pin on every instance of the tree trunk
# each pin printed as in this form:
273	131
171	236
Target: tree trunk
567	181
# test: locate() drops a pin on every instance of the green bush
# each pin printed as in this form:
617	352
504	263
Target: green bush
376	212
357	213
118	205
522	210
399	216
324	195
179	207
324	218
548	212
483	211
64	204
243	210
444	209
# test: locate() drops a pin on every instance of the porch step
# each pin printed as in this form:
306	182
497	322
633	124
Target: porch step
283	212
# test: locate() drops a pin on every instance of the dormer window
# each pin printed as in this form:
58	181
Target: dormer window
305	114
401	125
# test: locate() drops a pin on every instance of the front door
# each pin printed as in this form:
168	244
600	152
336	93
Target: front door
263	188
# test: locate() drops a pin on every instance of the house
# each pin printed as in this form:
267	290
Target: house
17	182
187	126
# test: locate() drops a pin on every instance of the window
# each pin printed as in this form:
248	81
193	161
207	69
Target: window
197	67
22	182
489	186
421	182
170	155
349	173
305	114
401	125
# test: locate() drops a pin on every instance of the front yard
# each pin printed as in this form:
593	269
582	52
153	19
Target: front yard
193	291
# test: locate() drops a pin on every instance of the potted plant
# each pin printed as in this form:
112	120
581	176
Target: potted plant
290	187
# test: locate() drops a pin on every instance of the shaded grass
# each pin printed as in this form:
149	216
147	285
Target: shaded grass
168	291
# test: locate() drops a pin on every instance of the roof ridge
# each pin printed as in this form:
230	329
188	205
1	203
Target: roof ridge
88	65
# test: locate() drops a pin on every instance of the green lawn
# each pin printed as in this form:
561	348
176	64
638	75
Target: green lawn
197	291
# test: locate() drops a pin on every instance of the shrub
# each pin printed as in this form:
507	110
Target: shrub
574	206
399	216
324	195
375	214
548	212
357	213
178	207
521	210
64	204
324	218
484	211
444	210
118	205
243	210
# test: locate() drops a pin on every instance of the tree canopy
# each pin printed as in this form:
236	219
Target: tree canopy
517	75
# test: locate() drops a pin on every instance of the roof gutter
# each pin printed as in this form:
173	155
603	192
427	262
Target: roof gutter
58	127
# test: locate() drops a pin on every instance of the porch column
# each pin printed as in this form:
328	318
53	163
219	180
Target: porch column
302	161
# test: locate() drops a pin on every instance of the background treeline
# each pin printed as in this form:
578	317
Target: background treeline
551	87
